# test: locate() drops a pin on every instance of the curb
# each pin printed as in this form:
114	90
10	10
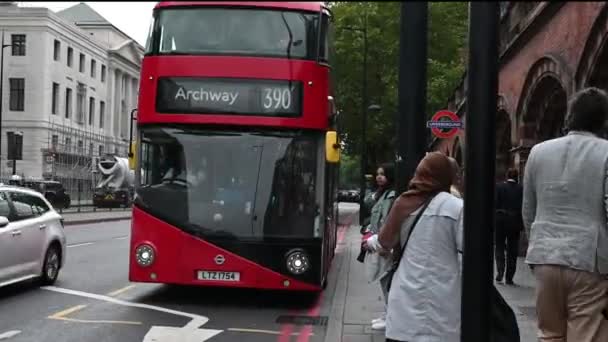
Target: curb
338	303
98	220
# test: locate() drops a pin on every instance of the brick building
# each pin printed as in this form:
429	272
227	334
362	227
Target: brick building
547	52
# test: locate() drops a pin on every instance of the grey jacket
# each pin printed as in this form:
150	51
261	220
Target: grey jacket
565	204
380	210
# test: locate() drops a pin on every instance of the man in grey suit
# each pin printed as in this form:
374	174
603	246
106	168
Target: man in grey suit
565	209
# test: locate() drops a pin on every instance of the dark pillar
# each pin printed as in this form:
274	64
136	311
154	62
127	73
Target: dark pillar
411	119
479	183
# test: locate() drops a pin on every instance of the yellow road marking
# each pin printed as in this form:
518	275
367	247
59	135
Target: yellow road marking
120	291
61	314
95	321
269	332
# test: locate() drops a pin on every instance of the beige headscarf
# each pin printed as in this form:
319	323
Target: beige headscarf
433	175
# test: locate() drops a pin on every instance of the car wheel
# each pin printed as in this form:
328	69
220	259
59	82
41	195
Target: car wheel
50	268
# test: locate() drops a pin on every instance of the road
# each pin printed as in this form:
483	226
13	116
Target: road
73	309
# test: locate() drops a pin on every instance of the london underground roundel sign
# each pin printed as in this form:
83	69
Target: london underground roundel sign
444	124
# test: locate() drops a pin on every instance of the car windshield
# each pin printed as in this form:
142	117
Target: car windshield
245	185
223	31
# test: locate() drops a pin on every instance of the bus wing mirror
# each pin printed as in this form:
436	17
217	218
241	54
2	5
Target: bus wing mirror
332	148
132	155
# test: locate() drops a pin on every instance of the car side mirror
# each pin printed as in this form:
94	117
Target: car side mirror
332	147
3	221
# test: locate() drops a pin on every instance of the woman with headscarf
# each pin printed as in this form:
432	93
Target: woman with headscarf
424	298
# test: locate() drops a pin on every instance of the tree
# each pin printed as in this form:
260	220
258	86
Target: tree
447	39
350	172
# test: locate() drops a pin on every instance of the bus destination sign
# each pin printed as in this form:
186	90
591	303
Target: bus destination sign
191	95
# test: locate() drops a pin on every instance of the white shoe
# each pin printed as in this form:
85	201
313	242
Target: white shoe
379	319
379	325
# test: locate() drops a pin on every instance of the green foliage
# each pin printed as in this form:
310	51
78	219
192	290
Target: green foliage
349	171
447	34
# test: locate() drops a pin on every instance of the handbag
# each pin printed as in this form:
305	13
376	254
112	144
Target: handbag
391	272
504	326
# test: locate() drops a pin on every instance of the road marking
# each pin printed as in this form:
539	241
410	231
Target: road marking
67	319
188	333
80	244
9	334
269	332
62	314
120	291
121	237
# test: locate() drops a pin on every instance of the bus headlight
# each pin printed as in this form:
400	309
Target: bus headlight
297	262
144	254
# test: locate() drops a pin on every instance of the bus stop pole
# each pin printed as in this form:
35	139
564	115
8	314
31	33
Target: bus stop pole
411	119
480	156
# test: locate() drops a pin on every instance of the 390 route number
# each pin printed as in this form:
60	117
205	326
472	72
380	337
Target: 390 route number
276	98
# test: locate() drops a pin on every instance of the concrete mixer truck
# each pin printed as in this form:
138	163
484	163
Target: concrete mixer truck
116	186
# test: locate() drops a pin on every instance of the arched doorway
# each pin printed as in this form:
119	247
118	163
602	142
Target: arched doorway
545	111
592	65
599	73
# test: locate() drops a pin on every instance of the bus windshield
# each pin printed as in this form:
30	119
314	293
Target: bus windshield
230	31
229	184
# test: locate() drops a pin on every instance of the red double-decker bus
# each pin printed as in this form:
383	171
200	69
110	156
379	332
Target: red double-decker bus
236	161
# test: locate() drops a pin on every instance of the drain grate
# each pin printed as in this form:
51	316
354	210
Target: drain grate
302	320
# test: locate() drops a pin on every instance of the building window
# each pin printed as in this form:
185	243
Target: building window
91	110
100	150
18	44
70	57
54	141
15	145
102	113
80	146
56	50
103	73
81	103
91	147
68	144
93	68
17	94
81	66
55	99
68	103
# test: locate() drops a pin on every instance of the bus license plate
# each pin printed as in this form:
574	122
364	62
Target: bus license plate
219	276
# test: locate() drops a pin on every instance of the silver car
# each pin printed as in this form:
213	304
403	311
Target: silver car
32	237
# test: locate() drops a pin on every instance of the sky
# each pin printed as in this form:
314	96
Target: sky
132	18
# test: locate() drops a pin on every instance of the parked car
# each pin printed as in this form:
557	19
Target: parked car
53	191
32	237
348	196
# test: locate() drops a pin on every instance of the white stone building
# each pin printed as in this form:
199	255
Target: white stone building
70	82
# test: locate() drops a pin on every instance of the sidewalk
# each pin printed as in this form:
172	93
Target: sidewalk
522	299
75	218
356	302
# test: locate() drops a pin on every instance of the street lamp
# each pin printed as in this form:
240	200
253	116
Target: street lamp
1	93
364	109
372	108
